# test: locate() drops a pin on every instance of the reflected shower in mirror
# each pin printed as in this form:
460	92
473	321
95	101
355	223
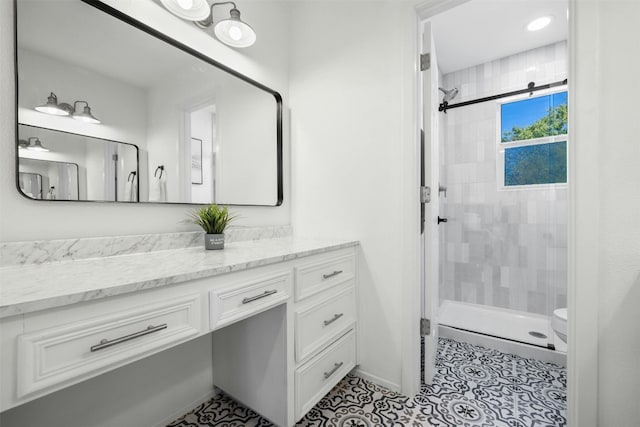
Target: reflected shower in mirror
49	180
205	134
30	184
75	167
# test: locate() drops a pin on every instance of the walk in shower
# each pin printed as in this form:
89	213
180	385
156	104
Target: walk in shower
503	162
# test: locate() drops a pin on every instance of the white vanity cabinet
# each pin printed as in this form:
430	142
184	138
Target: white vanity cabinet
246	298
284	331
315	333
48	350
325	325
56	356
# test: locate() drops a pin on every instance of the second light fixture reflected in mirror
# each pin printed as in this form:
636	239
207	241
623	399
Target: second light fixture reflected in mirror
63	109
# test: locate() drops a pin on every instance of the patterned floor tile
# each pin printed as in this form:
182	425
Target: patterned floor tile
473	387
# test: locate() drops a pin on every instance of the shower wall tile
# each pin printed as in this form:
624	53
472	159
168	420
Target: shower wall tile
500	297
535	300
506	248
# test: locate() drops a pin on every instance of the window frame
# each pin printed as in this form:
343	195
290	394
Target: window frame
502	146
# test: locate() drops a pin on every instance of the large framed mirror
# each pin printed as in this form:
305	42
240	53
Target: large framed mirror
143	117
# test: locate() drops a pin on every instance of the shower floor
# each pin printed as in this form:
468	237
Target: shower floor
498	322
473	386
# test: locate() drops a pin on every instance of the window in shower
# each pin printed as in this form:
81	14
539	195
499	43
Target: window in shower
533	141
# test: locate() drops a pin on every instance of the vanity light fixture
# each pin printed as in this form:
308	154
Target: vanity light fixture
233	31
64	109
191	10
52	107
85	115
36	145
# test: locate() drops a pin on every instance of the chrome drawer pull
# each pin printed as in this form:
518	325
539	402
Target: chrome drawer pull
265	294
106	343
328	276
335	317
336	366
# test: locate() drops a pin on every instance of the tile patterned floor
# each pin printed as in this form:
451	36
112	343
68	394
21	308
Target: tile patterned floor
473	387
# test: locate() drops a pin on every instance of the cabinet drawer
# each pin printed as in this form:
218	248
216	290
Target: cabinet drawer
315	277
323	322
245	299
64	355
315	378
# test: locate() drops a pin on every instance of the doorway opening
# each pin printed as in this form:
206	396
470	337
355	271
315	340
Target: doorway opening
495	242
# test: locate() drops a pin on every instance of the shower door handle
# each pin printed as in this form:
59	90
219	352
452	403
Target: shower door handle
442	220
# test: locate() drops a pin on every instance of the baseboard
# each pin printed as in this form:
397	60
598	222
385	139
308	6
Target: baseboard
189	407
376	380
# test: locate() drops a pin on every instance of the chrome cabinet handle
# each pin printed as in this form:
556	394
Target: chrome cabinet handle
263	295
335	273
333	319
336	366
108	343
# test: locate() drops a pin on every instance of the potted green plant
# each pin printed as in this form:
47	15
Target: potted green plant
213	219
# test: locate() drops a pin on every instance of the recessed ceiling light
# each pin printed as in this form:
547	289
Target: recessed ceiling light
539	23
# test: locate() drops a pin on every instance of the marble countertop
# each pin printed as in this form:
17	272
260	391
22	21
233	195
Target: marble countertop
29	288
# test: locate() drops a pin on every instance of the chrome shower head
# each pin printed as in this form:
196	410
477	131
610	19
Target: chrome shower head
449	94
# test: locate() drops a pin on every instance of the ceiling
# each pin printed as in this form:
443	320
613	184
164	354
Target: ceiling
479	31
472	33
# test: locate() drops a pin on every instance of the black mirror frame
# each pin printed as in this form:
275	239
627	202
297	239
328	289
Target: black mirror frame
163	37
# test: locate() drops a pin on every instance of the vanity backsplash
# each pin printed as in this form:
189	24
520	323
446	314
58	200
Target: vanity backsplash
45	251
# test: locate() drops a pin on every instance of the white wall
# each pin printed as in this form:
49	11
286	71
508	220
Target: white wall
266	62
354	156
604	345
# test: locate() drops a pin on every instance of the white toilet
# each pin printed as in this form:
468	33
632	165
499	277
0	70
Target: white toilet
559	323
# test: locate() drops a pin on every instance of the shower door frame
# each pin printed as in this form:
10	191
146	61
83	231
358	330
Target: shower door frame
430	175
